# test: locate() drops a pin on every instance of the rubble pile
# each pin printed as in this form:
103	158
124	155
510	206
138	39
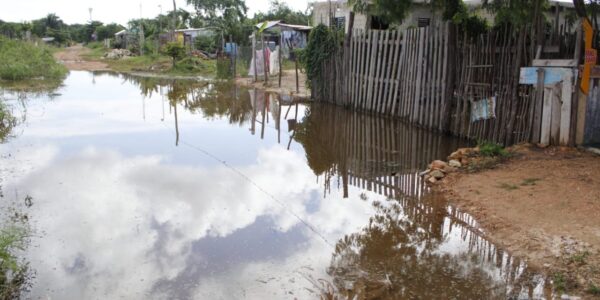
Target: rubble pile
439	169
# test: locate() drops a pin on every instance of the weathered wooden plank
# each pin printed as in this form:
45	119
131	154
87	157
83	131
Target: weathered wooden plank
372	68
418	87
432	114
555	114
444	66
359	77
384	72
377	86
565	119
354	59
565	63
396	71
537	107
410	80
546	116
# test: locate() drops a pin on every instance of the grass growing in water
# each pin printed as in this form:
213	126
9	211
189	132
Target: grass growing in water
7	121
21	60
14	272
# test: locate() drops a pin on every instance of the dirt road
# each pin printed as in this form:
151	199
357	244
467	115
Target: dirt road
544	205
71	58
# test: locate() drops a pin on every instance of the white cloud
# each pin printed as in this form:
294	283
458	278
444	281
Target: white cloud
115	226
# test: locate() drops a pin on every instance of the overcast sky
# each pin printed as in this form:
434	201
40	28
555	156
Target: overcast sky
107	11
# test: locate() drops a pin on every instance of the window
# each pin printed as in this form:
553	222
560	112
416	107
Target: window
423	22
339	23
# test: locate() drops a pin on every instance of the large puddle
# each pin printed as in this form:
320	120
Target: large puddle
148	188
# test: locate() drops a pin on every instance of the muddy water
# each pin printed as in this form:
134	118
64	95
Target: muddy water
146	188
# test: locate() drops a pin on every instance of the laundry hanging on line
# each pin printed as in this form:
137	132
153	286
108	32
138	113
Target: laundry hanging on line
483	109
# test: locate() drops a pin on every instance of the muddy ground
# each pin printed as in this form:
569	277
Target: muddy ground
543	205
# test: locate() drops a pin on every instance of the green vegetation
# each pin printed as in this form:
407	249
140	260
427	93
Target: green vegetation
508	186
7	121
491	149
321	45
194	66
175	51
22	60
53	26
579	258
594	290
559	281
14	273
530	181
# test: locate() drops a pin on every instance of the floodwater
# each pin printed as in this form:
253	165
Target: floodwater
145	188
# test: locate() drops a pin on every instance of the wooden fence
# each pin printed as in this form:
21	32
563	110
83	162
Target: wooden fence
431	77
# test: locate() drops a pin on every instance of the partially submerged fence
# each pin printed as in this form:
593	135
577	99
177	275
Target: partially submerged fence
437	78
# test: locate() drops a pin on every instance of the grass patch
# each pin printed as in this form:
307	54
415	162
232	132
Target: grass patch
157	64
194	66
484	163
14	272
508	186
21	60
491	149
7	122
530	181
559	281
594	290
579	258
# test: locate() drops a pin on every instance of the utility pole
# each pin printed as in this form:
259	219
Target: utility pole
141	32
174	19
159	30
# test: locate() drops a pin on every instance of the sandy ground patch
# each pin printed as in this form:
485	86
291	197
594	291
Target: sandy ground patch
542	204
288	84
71	58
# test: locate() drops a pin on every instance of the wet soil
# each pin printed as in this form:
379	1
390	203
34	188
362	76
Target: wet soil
288	84
543	205
71	58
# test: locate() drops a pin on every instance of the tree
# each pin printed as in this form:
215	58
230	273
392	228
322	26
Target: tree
176	51
279	10
516	13
227	16
391	11
108	31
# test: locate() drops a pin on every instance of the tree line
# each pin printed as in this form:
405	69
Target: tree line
225	17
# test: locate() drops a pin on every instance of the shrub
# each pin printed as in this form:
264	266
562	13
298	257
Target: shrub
22	60
491	149
193	65
175	50
321	45
206	43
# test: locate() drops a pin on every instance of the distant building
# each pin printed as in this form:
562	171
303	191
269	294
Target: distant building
421	15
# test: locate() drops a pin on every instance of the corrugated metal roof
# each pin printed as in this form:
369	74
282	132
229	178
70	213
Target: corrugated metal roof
271	24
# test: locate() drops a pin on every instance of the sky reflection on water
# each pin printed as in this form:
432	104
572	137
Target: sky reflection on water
147	188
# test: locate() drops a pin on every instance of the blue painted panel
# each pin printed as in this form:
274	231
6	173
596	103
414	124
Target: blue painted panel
529	75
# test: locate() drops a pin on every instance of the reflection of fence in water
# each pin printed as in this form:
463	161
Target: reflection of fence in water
385	156
378	154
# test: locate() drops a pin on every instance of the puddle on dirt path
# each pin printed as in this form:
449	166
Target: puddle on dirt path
149	188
